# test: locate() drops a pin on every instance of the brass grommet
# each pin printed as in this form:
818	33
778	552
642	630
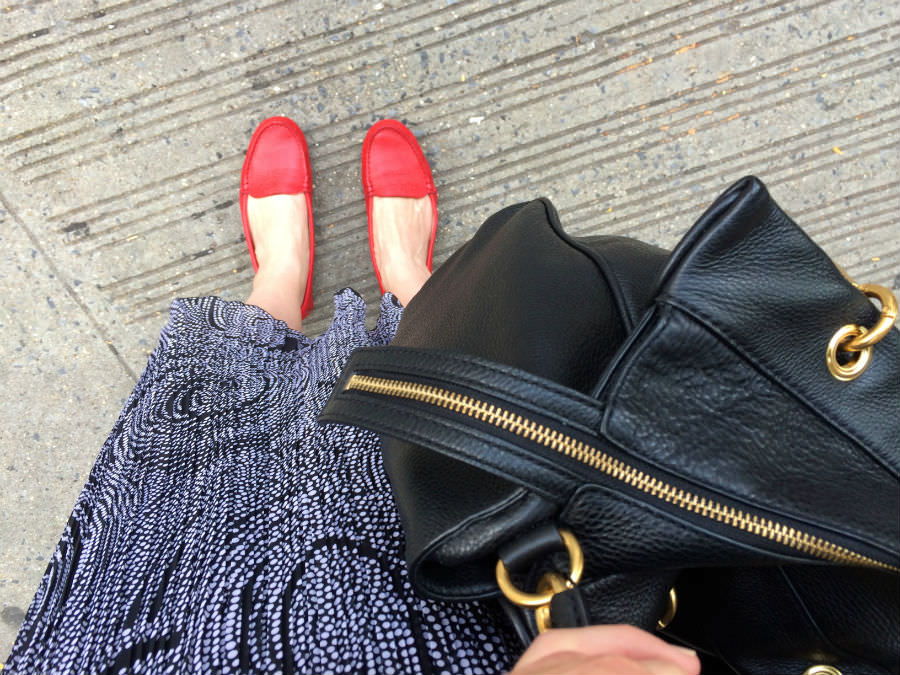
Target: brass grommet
671	609
822	669
523	599
854	368
881	328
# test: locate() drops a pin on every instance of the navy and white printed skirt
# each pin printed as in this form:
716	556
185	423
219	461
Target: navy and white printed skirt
223	530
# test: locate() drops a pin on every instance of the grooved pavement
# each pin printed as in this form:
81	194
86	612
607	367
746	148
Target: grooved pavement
123	127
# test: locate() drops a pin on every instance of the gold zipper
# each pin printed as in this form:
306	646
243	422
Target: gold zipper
615	468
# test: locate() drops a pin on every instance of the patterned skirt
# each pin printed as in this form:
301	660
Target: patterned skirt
223	530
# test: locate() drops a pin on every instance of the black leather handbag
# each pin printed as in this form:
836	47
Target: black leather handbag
704	443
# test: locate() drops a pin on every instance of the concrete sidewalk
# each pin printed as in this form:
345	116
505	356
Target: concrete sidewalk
124	123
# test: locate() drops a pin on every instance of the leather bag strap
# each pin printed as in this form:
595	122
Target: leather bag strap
460	387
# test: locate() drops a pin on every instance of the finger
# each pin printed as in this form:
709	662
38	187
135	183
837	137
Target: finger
620	640
572	663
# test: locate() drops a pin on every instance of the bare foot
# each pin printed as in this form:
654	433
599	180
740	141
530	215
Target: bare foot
401	231
280	230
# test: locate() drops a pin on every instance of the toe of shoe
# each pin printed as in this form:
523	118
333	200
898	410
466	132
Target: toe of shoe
277	160
393	163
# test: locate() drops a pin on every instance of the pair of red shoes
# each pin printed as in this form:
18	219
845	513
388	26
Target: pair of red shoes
277	162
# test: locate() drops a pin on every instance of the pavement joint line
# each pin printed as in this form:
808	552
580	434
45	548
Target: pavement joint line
842	199
775	77
748	165
110	43
246	108
678	94
586	70
63	280
221	68
768	179
67	41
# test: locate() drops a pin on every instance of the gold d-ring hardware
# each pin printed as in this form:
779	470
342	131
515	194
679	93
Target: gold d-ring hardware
888	315
534	600
858	340
671	610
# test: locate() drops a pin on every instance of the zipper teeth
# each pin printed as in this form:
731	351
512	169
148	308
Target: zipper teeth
615	468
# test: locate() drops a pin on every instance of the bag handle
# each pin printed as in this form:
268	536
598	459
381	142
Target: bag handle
419	395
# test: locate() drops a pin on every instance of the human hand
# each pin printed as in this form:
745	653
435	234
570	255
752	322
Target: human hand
604	650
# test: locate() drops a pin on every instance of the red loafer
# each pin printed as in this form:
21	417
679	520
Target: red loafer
393	166
277	163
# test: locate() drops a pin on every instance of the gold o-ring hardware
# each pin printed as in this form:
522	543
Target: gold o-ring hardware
822	669
859	340
855	367
533	600
671	609
888	316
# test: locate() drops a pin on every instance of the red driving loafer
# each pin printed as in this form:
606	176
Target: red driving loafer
277	163
393	166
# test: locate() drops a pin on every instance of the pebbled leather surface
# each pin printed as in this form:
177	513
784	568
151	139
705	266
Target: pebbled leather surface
557	479
632	270
720	422
751	275
639	599
521	554
479	301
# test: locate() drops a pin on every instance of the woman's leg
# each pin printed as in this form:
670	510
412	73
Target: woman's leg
401	233
279	225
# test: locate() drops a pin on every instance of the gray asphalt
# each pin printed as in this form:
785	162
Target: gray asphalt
123	126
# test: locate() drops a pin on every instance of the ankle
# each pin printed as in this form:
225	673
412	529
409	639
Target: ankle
404	282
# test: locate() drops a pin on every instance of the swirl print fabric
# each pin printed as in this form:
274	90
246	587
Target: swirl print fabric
223	530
